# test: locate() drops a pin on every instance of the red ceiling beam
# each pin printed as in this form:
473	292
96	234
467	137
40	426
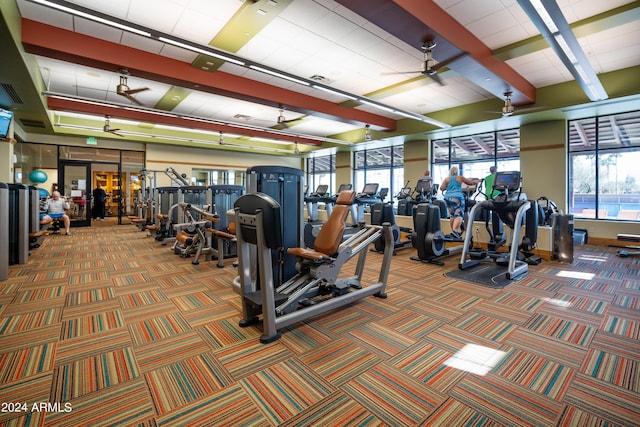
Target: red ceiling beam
416	21
431	15
58	43
58	104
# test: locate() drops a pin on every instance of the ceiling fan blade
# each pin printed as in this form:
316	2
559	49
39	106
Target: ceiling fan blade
529	109
402	72
446	62
134	91
131	98
115	132
281	125
435	78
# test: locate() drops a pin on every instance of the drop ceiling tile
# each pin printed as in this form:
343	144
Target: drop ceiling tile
197	27
498	26
117	8
97	30
177	53
161	15
469	11
141	43
39	13
303	13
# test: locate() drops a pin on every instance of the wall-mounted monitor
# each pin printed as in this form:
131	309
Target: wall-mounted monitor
5	122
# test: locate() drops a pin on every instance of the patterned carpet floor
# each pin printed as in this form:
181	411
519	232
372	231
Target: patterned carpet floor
109	328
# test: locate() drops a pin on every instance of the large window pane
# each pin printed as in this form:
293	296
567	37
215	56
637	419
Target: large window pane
604	179
382	166
582	135
619	184
582	184
474	147
319	171
475	154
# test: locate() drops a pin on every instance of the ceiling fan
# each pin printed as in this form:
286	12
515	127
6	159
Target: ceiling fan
430	66
508	109
107	127
123	89
282	122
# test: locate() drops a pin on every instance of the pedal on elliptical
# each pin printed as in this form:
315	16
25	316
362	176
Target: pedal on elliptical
477	254
503	260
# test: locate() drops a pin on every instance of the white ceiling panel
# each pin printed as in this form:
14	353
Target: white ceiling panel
324	38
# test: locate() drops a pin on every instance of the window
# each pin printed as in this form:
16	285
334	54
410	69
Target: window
319	171
475	154
382	166
604	180
207	177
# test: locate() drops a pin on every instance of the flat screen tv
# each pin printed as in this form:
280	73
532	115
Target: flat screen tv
5	122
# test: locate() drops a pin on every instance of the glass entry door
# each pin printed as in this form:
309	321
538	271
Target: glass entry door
75	187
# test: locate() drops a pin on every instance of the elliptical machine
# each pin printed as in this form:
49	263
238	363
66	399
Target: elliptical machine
512	209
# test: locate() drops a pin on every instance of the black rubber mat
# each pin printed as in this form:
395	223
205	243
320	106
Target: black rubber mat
489	275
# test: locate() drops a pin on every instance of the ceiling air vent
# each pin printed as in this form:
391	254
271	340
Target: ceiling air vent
320	79
33	123
13	94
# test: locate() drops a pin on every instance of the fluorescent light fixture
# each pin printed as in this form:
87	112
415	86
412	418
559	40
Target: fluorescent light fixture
544	15
335	92
548	18
379	106
240	126
179	138
201	50
92	17
270	140
566	49
78	99
279	74
407	114
146	110
210	51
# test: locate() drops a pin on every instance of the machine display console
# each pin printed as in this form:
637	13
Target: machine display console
424	185
370	189
509	181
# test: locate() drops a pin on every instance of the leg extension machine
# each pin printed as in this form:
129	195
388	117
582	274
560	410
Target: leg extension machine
317	287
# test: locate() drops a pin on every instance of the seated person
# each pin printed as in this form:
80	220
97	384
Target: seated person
56	210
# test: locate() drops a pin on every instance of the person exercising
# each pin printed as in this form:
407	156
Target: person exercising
489	181
452	188
56	207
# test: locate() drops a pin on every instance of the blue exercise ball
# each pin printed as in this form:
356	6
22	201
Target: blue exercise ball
43	193
38	177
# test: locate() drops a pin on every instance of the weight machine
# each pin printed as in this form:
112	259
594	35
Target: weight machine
316	287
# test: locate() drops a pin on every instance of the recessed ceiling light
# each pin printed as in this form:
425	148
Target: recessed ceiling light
262	12
272	3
